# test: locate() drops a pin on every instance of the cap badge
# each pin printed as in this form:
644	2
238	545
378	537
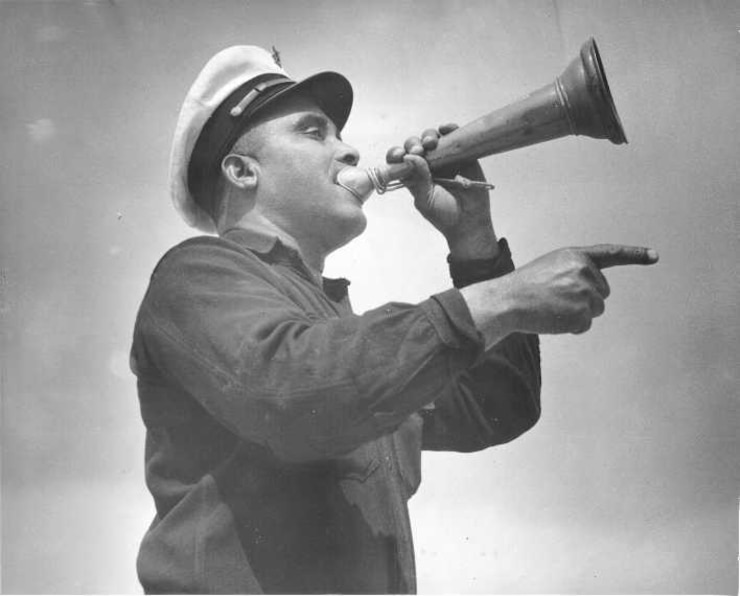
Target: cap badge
276	56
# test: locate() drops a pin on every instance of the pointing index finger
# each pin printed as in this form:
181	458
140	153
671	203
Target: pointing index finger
612	255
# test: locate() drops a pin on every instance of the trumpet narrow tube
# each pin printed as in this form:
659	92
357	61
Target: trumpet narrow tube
541	116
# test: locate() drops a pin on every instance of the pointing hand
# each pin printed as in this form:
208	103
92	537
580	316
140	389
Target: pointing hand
563	291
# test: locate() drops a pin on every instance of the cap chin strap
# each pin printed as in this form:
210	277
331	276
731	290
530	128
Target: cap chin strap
239	108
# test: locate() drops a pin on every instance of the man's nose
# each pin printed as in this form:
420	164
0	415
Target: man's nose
348	154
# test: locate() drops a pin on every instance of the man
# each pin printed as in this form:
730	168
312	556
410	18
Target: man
284	432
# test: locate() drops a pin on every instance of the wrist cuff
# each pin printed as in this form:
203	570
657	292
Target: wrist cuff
465	272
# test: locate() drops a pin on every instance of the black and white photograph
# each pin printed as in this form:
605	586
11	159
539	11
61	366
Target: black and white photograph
369	296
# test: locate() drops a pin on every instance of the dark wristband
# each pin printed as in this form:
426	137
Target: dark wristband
465	272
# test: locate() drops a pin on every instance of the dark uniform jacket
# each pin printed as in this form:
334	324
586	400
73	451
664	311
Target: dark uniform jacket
284	432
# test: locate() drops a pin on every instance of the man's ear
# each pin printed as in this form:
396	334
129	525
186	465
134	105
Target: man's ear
241	171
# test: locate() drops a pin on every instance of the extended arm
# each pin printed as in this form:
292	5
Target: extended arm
560	292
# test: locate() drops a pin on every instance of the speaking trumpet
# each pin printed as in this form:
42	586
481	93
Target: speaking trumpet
578	102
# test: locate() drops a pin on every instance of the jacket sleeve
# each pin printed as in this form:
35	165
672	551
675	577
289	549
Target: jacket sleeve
215	324
493	402
498	398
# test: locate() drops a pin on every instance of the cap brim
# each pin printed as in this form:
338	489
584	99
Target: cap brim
332	92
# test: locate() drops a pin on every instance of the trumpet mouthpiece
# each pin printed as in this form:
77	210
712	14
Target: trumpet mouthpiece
357	181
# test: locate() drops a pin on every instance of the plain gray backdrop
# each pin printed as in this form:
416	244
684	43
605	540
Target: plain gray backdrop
629	483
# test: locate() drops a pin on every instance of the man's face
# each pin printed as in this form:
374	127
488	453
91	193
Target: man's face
299	153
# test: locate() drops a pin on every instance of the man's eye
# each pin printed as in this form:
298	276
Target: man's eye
314	131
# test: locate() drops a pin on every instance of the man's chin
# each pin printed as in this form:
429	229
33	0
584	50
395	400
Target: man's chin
349	229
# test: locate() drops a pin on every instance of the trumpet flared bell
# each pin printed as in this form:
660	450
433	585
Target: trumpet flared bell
578	102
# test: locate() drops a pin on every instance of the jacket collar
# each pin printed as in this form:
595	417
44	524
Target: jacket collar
258	239
269	247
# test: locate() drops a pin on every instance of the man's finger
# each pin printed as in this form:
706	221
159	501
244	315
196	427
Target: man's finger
611	255
421	168
447	128
429	139
395	155
413	145
601	284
